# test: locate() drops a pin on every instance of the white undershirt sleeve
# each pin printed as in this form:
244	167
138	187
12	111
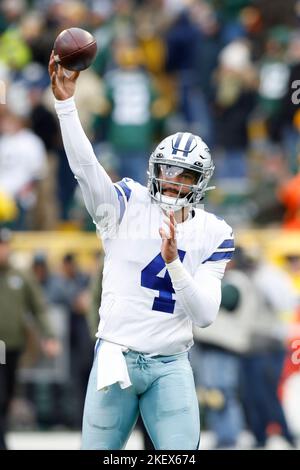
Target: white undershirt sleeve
199	296
99	193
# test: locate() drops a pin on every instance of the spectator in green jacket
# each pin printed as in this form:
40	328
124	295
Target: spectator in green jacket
20	296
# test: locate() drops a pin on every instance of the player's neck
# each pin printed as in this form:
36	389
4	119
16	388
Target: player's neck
182	215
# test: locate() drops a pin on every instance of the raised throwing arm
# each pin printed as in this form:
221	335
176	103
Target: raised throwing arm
99	193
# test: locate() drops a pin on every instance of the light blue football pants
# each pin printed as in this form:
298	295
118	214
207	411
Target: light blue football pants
162	390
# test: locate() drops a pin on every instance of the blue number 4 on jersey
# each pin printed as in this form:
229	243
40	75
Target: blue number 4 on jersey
151	280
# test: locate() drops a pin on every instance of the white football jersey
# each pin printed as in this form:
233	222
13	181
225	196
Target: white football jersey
139	308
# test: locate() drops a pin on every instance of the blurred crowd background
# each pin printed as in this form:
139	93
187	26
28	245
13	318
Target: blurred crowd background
227	70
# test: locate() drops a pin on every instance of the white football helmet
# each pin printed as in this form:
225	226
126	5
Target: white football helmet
175	154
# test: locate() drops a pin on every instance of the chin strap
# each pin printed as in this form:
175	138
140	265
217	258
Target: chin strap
167	202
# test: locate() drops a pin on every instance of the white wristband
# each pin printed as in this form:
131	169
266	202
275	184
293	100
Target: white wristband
177	271
64	106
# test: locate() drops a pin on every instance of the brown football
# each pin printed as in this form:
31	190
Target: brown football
75	49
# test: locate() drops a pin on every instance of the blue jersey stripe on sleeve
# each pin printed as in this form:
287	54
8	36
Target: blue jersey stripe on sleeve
227	244
126	189
221	255
122	203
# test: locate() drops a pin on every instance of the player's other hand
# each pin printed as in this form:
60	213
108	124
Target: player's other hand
63	82
169	250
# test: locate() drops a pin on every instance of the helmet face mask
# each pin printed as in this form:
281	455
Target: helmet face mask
165	175
180	165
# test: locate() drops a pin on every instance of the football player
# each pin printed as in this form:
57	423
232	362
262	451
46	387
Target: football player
164	260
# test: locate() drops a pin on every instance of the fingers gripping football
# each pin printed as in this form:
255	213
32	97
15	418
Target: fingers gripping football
63	82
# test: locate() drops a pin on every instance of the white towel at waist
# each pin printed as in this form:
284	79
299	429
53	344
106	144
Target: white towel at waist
111	366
